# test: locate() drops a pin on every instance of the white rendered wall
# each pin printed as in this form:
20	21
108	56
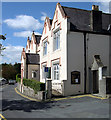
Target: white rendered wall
58	55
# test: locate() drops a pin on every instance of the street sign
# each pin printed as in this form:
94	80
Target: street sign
46	69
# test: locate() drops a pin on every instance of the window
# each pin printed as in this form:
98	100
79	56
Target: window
43	73
56	41
56	71
34	74
75	77
45	48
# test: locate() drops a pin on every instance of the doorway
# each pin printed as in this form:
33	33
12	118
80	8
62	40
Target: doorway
95	82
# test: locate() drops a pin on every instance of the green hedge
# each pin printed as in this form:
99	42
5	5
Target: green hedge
35	85
18	78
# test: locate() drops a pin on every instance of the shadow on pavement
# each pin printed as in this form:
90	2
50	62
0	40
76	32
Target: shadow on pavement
24	105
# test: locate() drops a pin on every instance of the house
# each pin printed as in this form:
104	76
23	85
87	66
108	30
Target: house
30	59
70	43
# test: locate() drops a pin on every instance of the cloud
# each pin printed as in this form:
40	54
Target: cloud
24	34
43	16
24	22
11	54
104	6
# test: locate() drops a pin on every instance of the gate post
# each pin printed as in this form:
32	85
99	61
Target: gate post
102	87
49	88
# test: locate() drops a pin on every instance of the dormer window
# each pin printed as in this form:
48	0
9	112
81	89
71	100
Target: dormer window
56	40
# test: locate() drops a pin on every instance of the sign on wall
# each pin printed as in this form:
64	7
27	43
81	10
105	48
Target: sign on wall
48	72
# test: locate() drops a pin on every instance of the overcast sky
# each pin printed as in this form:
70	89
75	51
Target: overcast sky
19	19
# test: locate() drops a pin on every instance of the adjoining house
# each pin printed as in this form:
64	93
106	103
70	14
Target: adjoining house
70	43
30	59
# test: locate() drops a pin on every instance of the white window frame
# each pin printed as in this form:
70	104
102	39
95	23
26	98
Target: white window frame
56	39
43	73
45	52
57	71
34	71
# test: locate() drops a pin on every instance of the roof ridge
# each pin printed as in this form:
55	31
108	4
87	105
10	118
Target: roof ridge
77	8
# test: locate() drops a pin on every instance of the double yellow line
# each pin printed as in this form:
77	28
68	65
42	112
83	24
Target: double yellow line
58	99
32	99
2	117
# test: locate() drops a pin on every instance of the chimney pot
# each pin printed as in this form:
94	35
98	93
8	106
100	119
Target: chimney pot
95	7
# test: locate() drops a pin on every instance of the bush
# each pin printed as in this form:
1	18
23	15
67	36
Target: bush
35	85
18	78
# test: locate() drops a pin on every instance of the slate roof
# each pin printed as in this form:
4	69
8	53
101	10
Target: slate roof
81	19
38	37
32	58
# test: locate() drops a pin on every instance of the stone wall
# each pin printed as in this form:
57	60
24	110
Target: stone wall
30	92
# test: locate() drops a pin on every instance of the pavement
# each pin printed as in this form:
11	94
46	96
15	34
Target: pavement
17	106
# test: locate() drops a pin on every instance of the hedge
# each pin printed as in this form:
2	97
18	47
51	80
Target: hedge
35	85
18	78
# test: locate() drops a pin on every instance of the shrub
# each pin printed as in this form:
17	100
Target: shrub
18	78
35	85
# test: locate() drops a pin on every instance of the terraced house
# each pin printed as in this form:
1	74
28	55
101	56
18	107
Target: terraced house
76	45
70	43
30	59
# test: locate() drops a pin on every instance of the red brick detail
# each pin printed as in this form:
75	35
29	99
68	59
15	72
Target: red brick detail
55	60
21	76
45	39
57	14
45	27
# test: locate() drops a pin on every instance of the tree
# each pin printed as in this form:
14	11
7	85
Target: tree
1	46
9	71
2	37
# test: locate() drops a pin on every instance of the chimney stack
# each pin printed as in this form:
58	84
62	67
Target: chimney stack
96	19
23	49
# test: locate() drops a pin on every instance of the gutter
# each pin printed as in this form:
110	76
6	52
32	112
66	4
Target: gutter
85	62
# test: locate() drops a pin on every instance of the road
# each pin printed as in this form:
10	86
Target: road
15	106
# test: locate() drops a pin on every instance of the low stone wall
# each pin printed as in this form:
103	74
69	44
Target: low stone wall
30	92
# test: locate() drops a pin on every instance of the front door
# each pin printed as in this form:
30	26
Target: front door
95	82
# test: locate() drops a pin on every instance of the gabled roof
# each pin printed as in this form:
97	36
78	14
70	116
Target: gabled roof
81	19
32	58
36	38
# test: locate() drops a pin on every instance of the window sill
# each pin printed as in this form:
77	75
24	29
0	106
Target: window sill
44	55
56	50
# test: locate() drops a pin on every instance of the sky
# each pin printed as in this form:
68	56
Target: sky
19	19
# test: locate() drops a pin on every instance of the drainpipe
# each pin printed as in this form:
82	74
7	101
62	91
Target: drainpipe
85	63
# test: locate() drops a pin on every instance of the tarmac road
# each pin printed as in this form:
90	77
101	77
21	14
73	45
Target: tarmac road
15	106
